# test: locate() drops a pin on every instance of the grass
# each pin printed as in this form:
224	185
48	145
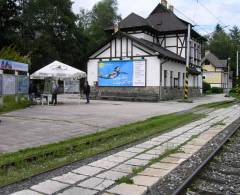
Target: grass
125	179
26	163
235	95
217	105
137	170
10	104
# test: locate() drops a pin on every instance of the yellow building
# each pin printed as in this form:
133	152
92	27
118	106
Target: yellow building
215	71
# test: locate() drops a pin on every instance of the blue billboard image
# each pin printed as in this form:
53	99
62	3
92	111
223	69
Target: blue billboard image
115	73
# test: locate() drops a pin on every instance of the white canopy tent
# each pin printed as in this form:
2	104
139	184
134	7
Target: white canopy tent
58	70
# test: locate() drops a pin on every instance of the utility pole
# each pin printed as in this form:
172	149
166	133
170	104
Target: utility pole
237	74
187	62
228	76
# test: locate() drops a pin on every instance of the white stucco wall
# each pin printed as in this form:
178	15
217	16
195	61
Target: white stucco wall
175	67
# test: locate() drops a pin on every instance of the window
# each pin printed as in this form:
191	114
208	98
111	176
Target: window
165	78
183	79
194	81
171	79
179	79
207	62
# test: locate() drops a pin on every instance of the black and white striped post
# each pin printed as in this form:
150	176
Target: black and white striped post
187	63
237	75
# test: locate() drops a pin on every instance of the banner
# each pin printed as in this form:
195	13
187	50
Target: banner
122	73
12	65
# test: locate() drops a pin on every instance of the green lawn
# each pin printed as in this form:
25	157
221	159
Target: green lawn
26	163
217	105
10	104
235	95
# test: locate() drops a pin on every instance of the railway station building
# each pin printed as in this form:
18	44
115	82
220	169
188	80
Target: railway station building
145	59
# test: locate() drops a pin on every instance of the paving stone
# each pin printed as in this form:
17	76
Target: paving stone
172	160
88	170
181	155
145	180
154	172
125	154
198	142
189	146
124	168
166	166
79	191
111	175
96	183
26	192
49	187
145	145
103	164
190	150
128	189
145	156
70	178
114	158
136	162
135	150
155	152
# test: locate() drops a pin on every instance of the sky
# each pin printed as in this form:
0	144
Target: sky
205	14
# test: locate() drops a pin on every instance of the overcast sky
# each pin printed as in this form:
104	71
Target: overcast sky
226	12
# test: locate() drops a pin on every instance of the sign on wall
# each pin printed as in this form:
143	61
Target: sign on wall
122	73
23	83
12	65
71	86
9	85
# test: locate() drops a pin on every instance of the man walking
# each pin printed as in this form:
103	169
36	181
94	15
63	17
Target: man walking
87	91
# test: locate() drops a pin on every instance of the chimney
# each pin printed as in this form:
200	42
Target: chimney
116	28
164	3
171	8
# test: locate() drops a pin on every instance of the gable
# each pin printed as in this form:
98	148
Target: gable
120	47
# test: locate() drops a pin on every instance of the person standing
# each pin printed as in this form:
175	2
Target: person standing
87	91
54	93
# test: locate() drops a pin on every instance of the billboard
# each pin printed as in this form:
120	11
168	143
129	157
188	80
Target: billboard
122	73
12	65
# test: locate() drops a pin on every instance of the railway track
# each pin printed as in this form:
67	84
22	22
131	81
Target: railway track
220	173
213	170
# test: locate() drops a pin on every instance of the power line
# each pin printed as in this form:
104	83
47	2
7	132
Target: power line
191	20
210	12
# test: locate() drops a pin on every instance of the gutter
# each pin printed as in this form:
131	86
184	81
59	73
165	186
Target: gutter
160	75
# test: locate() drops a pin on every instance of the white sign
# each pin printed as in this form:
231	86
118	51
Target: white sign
139	73
71	86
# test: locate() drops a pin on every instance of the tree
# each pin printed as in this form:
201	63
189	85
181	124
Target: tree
9	22
49	30
103	15
220	43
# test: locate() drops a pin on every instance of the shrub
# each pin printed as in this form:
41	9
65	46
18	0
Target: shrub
217	90
206	87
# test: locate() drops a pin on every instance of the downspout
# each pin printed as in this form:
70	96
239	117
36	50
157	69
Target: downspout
160	75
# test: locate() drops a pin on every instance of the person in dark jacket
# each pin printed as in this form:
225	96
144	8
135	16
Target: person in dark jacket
87	91
54	93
